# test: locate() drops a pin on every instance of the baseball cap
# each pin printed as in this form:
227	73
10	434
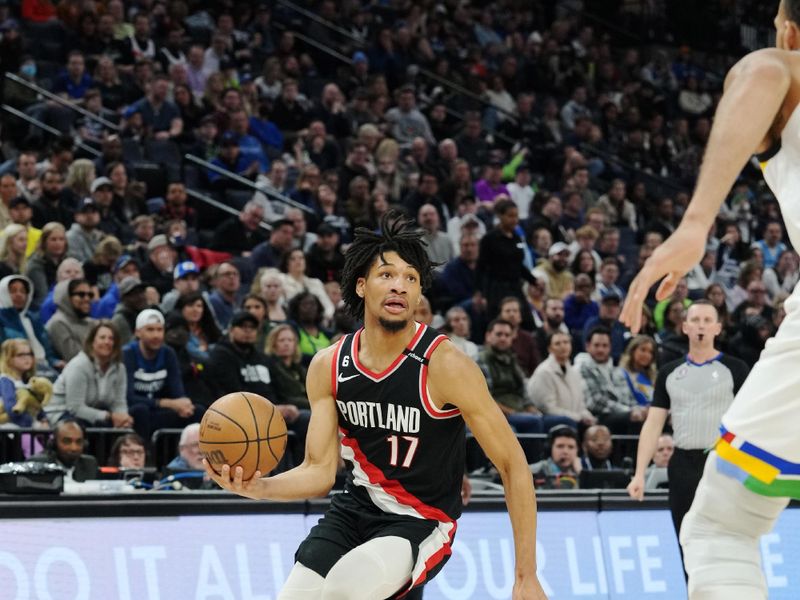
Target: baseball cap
326	229
100	182
87	205
122	261
558	248
611	297
185	268
19	200
229	138
157	241
149	316
130	284
359	57
241	317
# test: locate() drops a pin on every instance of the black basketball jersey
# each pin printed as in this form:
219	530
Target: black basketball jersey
406	455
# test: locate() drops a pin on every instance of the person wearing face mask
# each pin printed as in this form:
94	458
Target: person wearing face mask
66	450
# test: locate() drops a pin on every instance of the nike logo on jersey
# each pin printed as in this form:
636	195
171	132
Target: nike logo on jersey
343	379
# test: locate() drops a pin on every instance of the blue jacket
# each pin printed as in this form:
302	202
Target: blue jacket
104	308
8	393
266	132
11	326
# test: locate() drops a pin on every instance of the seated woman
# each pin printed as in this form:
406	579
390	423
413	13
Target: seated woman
203	330
295	281
17	366
270	288
42	266
92	388
128	452
257	306
556	387
13	248
305	310
638	364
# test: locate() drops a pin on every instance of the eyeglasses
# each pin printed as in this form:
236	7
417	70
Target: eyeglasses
132	452
25	354
82	294
228	274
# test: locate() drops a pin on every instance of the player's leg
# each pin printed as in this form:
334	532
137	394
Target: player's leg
720	538
375	569
302	584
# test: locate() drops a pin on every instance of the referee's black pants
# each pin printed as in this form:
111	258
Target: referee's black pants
684	471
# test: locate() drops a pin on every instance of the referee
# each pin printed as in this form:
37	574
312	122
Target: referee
697	390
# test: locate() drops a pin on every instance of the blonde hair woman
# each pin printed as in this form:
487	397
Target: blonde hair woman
638	364
80	175
287	370
43	264
13	244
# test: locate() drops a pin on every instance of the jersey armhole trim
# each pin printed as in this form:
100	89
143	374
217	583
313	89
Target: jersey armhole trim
424	394
335	366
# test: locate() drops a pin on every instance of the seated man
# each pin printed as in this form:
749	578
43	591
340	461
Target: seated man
156	398
66	450
71	324
608	396
189	457
656	475
560	470
597	447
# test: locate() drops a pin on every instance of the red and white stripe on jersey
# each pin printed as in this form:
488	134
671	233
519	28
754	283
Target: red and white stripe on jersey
433	411
335	367
391	497
392	367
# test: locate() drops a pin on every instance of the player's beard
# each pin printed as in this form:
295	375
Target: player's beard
392	326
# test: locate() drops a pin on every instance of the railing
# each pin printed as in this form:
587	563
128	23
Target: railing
62	101
17	444
247	183
44	127
221	206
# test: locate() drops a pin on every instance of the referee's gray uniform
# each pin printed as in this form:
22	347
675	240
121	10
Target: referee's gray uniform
697	395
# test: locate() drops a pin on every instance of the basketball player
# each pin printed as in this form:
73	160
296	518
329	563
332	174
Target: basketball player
399	394
750	476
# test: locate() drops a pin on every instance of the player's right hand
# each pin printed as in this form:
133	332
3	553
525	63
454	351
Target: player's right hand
636	488
231	479
670	261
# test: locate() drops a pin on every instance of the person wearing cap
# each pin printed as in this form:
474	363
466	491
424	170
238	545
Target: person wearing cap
231	159
84	235
554	272
324	260
132	300
125	266
161	257
240	234
20	212
70	326
491	186
608	311
156	397
103	195
18	321
43	264
185	279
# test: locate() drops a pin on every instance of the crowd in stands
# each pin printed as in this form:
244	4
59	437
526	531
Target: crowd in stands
543	156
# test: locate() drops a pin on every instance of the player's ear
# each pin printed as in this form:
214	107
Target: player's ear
683	328
791	36
360	283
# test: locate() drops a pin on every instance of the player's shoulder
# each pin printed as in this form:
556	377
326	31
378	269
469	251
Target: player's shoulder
772	59
320	369
448	359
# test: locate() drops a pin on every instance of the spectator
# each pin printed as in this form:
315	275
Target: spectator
160	116
607	394
755	304
523	345
270	253
97	270
84	235
288	372
295	281
406	121
306	312
579	307
27	176
73	82
638	364
553	322
66	449
782	278
561	468
157	270
17	367
680	294
456	282
203	330
185	279
750	338
607	280
771	246
620	211
239	235
554	272
457	325
155	391
249	146
129	451
17	321
132	300
68	269
521	191
176	336
43	264
92	387
270	289
189	456
124	266
13	247
556	387
70	326
103	196
608	317
227	281
437	243
597	448
325	260
491	186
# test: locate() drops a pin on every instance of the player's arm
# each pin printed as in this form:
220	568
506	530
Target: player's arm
648	442
457	380
755	90
315	476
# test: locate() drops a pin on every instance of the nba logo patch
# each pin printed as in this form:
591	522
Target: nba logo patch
682	372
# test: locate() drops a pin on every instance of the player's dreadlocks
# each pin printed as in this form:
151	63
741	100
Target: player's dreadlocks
398	234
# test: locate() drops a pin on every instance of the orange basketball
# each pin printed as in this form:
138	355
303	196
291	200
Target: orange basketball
243	429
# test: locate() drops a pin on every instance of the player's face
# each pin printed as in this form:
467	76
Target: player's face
701	323
391	291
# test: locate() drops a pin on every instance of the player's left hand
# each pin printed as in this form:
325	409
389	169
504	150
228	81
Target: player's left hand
466	490
528	589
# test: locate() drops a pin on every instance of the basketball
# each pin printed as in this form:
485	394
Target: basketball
243	429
